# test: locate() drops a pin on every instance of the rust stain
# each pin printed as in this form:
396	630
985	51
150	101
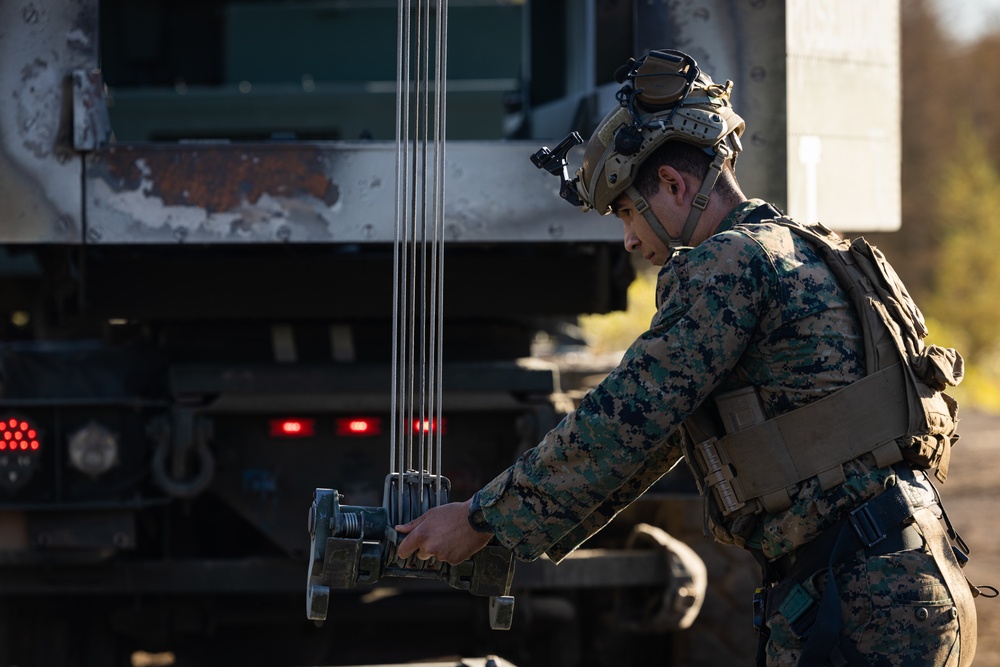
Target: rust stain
220	178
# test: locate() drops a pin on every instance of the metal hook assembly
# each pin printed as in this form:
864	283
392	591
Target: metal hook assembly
351	545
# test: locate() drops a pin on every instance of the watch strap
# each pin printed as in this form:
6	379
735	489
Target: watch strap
477	519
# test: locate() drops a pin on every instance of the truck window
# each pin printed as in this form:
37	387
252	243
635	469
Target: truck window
294	70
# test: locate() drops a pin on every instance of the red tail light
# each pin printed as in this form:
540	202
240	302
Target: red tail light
20	451
428	426
359	426
18	434
293	428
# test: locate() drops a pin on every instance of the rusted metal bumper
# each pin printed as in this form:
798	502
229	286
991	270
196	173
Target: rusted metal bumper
324	192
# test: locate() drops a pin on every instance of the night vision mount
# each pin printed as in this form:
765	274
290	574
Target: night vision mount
554	162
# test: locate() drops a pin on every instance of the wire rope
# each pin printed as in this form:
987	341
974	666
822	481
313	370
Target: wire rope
418	248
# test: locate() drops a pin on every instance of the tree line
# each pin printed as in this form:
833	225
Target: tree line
946	251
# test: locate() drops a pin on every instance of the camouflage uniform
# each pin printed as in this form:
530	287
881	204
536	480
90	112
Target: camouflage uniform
752	305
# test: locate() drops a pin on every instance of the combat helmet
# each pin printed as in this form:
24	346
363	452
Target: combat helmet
665	97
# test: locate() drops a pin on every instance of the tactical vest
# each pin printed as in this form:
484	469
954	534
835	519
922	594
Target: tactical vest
746	464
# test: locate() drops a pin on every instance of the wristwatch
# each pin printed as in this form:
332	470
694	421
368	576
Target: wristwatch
476	517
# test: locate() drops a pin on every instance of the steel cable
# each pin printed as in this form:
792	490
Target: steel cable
418	252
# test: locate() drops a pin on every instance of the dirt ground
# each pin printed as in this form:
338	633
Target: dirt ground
972	498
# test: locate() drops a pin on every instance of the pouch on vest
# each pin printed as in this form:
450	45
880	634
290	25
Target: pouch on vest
894	330
897	411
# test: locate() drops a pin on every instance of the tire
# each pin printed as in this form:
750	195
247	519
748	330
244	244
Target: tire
722	634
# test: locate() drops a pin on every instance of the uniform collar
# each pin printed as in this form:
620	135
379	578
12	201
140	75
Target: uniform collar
751	210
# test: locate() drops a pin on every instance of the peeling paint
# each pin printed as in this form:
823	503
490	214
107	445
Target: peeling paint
222	192
77	39
218	180
42	43
31	14
37	108
298	192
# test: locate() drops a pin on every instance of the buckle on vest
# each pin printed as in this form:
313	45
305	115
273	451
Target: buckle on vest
800	611
718	476
866	526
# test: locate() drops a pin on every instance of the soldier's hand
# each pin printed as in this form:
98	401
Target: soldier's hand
443	533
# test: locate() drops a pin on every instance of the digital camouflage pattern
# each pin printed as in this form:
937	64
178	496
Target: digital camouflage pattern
895	609
751	306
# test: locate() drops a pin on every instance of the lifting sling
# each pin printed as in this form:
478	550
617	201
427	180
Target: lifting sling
353	544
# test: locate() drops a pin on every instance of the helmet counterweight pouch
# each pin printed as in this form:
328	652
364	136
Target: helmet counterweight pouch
661	78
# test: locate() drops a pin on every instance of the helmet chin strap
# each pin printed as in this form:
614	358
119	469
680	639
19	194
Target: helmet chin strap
642	206
697	206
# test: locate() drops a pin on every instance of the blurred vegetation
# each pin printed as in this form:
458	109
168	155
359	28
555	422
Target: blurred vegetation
616	331
946	251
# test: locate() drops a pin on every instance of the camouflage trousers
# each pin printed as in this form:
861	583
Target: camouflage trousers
895	609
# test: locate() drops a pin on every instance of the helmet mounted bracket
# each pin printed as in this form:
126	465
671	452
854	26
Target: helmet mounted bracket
554	162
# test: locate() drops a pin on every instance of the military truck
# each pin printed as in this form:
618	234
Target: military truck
196	250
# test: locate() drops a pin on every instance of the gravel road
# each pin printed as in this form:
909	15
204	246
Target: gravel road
972	498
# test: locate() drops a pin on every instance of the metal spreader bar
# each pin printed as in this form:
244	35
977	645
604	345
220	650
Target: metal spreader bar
353	545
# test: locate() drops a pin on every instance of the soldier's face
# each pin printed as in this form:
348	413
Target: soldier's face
638	236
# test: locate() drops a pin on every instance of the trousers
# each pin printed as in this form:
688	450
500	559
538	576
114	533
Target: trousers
895	609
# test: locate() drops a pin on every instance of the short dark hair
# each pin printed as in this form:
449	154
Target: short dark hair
683	157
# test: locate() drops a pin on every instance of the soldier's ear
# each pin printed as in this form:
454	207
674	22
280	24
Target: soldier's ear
672	182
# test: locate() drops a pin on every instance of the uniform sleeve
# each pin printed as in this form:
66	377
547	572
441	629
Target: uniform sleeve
624	435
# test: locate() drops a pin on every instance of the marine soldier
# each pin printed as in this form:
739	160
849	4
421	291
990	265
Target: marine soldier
808	416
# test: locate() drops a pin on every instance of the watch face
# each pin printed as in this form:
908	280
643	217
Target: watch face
476	517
